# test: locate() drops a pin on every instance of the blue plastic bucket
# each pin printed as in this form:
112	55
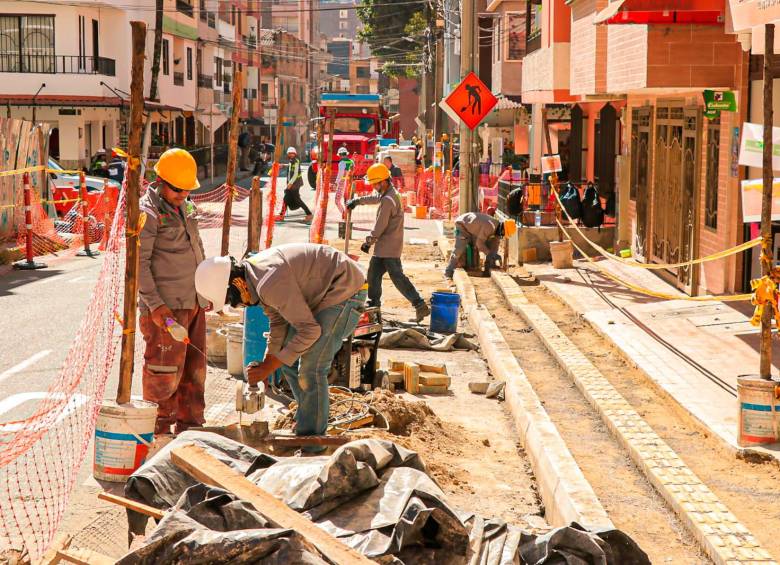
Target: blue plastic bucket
256	328
444	312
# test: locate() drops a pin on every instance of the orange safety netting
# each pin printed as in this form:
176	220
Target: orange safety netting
438	191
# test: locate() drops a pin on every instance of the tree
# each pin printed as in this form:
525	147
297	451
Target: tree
395	34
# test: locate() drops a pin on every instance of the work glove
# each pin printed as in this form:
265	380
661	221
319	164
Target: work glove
492	260
352	203
366	247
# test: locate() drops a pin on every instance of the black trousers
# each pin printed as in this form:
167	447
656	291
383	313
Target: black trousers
292	197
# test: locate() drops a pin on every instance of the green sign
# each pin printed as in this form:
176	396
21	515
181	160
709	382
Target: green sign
717	101
180	29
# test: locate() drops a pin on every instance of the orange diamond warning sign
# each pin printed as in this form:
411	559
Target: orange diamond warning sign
471	100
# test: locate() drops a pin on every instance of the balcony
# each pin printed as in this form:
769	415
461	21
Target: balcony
205	81
51	64
178	79
185	8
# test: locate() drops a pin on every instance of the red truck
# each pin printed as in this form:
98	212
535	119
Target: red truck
360	122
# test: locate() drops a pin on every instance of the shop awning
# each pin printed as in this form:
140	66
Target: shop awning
662	12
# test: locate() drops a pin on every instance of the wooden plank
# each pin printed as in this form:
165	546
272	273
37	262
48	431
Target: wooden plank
300	441
427	389
434	379
412	378
85	557
438	368
359	423
395	377
205	468
139	507
397	366
61	542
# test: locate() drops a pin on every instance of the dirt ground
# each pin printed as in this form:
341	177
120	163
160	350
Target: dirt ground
750	490
631	502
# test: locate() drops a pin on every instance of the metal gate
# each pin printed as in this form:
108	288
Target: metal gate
641	149
675	191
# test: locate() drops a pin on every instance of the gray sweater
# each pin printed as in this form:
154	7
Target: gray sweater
477	227
388	232
294	282
171	250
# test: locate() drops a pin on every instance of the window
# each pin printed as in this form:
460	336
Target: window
264	91
300	92
363	72
343	14
713	164
533	26
218	71
515	31
343	25
27	44
166	57
185	7
189	63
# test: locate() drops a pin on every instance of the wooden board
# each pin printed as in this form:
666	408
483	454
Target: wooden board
395	377
84	557
205	468
427	389
300	441
60	543
139	507
434	379
398	366
440	368
412	378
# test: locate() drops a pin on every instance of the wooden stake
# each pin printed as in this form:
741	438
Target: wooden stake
766	201
139	507
86	556
326	179
348	215
132	225
275	173
255	220
230	181
205	468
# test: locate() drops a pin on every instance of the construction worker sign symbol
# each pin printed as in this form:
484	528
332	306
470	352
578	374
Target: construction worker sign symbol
471	100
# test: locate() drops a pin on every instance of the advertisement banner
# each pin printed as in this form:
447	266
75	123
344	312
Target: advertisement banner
752	147
751	200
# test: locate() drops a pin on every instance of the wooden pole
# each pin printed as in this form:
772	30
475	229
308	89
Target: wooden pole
326	179
449	181
269	232
554	175
766	201
255	220
230	181
348	215
127	358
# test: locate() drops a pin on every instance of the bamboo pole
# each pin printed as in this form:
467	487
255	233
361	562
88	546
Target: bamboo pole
132	241
766	201
230	181
255	220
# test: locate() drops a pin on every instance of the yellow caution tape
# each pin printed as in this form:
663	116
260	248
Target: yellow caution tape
764	293
634	263
22	171
662	295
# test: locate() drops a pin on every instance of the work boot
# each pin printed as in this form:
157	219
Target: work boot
421	310
308	218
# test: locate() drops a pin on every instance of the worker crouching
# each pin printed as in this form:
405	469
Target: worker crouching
387	237
313	296
484	233
174	372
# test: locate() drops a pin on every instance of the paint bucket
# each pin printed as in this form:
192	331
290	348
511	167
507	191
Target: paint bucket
444	312
420	212
256	328
562	254
235	349
123	435
759	410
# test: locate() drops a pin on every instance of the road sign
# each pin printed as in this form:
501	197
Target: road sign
471	100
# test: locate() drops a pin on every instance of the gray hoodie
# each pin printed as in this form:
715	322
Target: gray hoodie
477	227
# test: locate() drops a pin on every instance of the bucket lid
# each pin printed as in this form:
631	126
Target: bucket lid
136	403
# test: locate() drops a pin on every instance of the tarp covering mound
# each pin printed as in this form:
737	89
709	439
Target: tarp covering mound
373	495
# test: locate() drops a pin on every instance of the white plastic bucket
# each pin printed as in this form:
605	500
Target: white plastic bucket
123	435
562	254
235	349
216	345
759	410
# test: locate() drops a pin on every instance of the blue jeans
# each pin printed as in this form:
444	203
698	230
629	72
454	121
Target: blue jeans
308	376
377	268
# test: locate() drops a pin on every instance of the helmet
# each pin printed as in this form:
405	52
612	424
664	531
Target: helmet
211	280
292	150
510	228
491	211
178	168
343	152
377	173
444	137
118	152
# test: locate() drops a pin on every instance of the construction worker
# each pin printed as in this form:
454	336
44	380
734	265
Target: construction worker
345	165
292	192
116	168
388	235
313	296
396	174
484	233
174	372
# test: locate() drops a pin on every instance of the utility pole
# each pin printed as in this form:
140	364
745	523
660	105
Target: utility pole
467	199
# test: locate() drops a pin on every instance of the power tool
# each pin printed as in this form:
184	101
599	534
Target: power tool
250	399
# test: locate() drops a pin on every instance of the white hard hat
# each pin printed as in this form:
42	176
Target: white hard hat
292	150
342	152
211	281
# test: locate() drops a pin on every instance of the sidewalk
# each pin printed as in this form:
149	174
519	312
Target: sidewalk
693	351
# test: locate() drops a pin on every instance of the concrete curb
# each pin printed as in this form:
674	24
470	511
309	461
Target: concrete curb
565	492
666	385
720	534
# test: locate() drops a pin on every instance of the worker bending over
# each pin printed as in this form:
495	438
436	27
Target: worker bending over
313	296
388	236
174	373
483	232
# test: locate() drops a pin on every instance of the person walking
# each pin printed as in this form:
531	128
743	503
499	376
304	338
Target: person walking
388	236
174	372
292	192
245	145
116	168
313	296
482	231
345	165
